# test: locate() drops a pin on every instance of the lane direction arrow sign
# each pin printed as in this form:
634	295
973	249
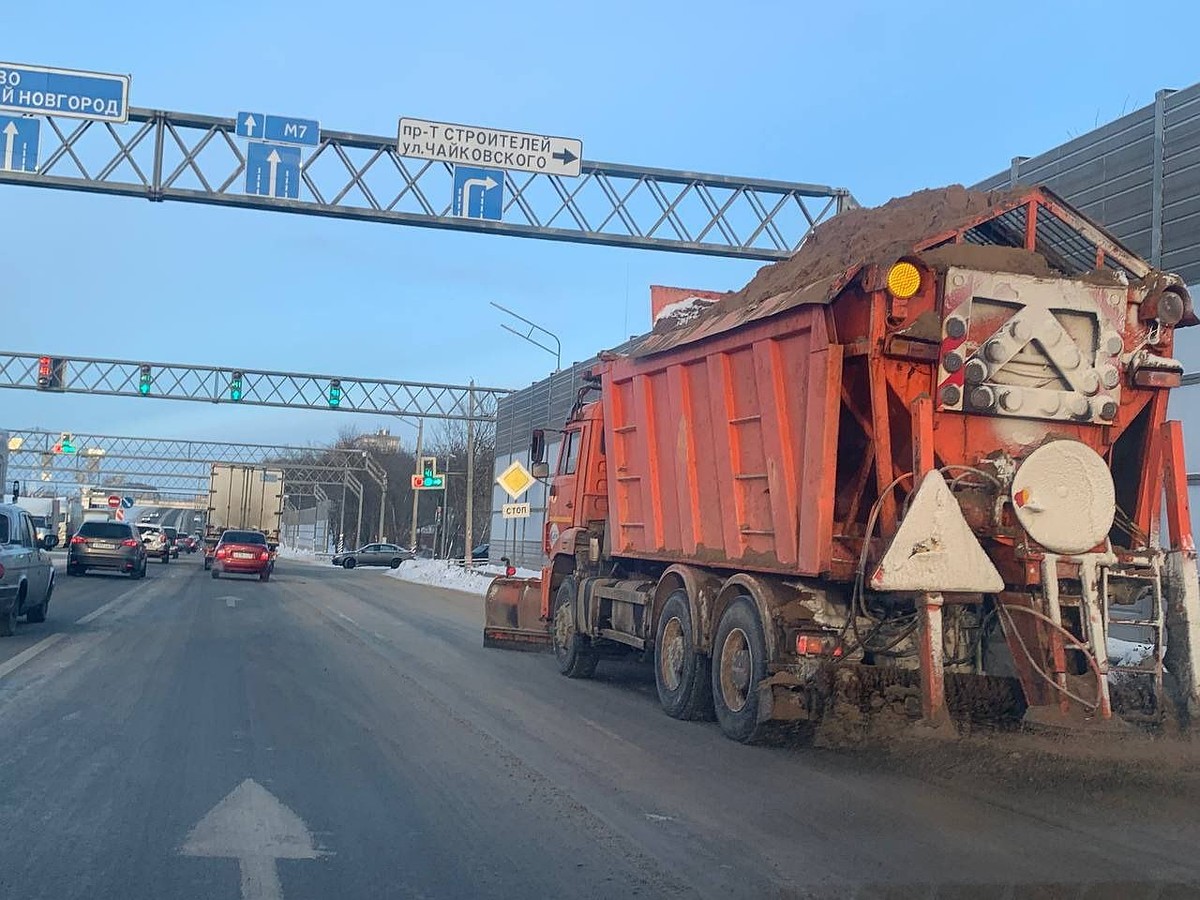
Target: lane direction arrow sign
253	827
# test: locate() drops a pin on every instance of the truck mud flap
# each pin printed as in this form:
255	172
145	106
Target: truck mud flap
513	615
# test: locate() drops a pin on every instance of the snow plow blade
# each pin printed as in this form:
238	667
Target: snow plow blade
513	615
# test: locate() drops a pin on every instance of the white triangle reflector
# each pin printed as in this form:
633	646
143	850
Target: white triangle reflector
934	548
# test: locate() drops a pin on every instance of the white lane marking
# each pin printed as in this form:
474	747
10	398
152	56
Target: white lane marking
253	827
29	653
99	611
605	731
342	615
231	602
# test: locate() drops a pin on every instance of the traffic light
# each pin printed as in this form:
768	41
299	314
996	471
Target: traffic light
49	376
144	383
429	475
335	393
235	387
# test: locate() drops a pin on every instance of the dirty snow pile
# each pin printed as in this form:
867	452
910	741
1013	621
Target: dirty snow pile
1128	653
443	574
300	554
683	312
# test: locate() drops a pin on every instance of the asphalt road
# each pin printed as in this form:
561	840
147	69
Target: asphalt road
336	734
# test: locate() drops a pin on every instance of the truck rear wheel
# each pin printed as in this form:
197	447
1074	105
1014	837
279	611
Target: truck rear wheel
739	664
575	658
682	675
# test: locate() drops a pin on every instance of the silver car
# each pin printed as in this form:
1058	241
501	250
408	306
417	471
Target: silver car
26	572
390	555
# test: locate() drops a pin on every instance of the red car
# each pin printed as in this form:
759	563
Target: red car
243	553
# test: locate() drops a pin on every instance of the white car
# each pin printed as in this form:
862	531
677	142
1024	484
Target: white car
156	541
26	572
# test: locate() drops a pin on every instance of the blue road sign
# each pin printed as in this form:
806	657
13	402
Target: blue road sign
19	144
127	502
280	129
273	170
63	92
478	193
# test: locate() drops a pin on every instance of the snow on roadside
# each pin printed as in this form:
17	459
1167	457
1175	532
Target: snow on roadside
300	554
439	573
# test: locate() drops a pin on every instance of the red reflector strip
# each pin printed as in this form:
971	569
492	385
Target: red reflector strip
1156	378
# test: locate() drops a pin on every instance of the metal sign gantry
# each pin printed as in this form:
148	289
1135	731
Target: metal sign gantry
194	158
293	390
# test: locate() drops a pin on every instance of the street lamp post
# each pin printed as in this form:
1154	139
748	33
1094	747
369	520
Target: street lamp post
533	326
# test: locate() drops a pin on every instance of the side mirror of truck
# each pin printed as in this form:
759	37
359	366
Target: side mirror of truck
537	448
540	470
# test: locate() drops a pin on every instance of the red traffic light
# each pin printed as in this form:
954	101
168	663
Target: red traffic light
418	481
45	371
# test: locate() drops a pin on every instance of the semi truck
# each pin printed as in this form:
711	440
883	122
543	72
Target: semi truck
917	469
243	497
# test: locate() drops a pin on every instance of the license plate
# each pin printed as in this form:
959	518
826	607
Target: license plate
99	546
243	556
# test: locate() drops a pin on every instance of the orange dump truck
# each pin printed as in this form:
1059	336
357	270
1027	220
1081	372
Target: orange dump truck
917	469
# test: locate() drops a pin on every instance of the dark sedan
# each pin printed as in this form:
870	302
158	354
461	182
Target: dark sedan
107	545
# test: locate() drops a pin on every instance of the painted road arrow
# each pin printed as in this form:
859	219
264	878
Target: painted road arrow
253	827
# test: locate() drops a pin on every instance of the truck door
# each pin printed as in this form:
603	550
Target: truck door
562	513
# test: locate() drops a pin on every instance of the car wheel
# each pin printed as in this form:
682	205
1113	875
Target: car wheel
265	576
216	574
166	558
207	563
8	621
349	564
37	614
394	564
75	571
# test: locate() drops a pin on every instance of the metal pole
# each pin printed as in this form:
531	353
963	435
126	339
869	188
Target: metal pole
382	507
412	539
358	541
342	525
469	545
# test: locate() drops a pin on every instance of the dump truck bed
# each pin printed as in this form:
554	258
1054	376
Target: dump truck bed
720	451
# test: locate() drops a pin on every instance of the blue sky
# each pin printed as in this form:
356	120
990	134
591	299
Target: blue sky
880	97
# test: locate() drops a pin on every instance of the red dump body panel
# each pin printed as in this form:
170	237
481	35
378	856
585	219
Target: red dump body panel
722	452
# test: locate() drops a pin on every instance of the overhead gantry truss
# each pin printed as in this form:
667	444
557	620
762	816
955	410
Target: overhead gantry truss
193	158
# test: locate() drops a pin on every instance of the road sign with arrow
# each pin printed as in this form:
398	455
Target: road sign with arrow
478	193
19	144
476	145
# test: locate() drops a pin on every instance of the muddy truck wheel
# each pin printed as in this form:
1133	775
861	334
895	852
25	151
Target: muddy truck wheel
739	664
575	658
682	675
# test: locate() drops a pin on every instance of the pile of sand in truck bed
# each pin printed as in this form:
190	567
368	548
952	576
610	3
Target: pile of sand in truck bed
864	235
867	235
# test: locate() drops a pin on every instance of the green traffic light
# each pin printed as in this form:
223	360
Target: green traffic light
235	387
144	387
335	394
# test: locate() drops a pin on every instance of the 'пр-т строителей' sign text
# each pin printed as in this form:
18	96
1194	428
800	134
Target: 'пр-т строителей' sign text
478	146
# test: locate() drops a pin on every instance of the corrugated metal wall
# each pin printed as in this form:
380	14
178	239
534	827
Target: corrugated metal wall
1139	176
544	404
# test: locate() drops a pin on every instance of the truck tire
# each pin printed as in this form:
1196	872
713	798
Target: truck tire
682	675
207	563
739	663
166	558
575	658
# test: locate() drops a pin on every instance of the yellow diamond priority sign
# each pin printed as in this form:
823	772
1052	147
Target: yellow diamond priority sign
515	480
